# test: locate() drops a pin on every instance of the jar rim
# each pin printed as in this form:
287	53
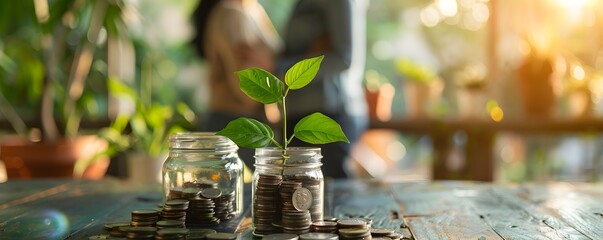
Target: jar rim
201	141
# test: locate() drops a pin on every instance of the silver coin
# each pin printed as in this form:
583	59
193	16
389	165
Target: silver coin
318	236
281	236
302	199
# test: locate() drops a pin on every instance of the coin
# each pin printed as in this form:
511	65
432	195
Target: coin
318	236
302	199
351	223
381	232
211	193
281	236
109	226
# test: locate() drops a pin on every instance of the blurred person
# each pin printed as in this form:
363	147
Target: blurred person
233	35
337	30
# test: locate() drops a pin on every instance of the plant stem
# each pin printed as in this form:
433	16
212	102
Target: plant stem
285	142
284	113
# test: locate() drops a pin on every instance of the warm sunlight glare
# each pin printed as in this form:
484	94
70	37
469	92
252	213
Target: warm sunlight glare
448	8
578	72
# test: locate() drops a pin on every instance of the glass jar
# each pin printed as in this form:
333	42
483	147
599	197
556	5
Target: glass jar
275	188
199	163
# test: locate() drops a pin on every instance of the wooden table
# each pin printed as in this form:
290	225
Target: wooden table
65	209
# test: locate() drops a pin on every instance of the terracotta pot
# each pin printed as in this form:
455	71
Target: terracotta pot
380	102
24	159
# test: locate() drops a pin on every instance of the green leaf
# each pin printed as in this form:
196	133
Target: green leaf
319	129
303	72
118	88
247	132
260	85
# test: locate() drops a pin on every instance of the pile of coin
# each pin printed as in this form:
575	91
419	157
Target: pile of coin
351	229
175	210
175	193
295	202
201	212
266	207
144	218
171	234
141	232
190	192
315	186
324	227
314	236
223	203
225	206
382	232
169	224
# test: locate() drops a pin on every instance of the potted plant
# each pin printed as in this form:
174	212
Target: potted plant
143	133
471	82
292	171
379	93
52	61
422	87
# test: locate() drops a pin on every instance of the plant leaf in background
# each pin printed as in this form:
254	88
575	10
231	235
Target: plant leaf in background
319	129
247	132
303	72
260	85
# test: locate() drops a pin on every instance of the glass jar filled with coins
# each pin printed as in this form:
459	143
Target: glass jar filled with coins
287	190
204	171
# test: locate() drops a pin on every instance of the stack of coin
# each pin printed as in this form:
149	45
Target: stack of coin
354	234
225	206
175	209
265	207
296	222
141	233
206	184
295	202
316	188
171	234
191	192
201	212
170	224
286	192
175	193
281	236
351	229
324	227
144	218
314	236
381	232
117	229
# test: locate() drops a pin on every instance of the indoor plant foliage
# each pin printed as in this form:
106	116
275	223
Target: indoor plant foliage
265	88
56	64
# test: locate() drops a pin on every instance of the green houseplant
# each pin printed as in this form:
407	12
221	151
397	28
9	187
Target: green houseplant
53	72
143	134
422	87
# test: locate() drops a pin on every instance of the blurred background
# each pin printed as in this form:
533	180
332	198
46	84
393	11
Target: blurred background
442	69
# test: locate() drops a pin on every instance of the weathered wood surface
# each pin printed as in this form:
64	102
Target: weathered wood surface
436	210
62	209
